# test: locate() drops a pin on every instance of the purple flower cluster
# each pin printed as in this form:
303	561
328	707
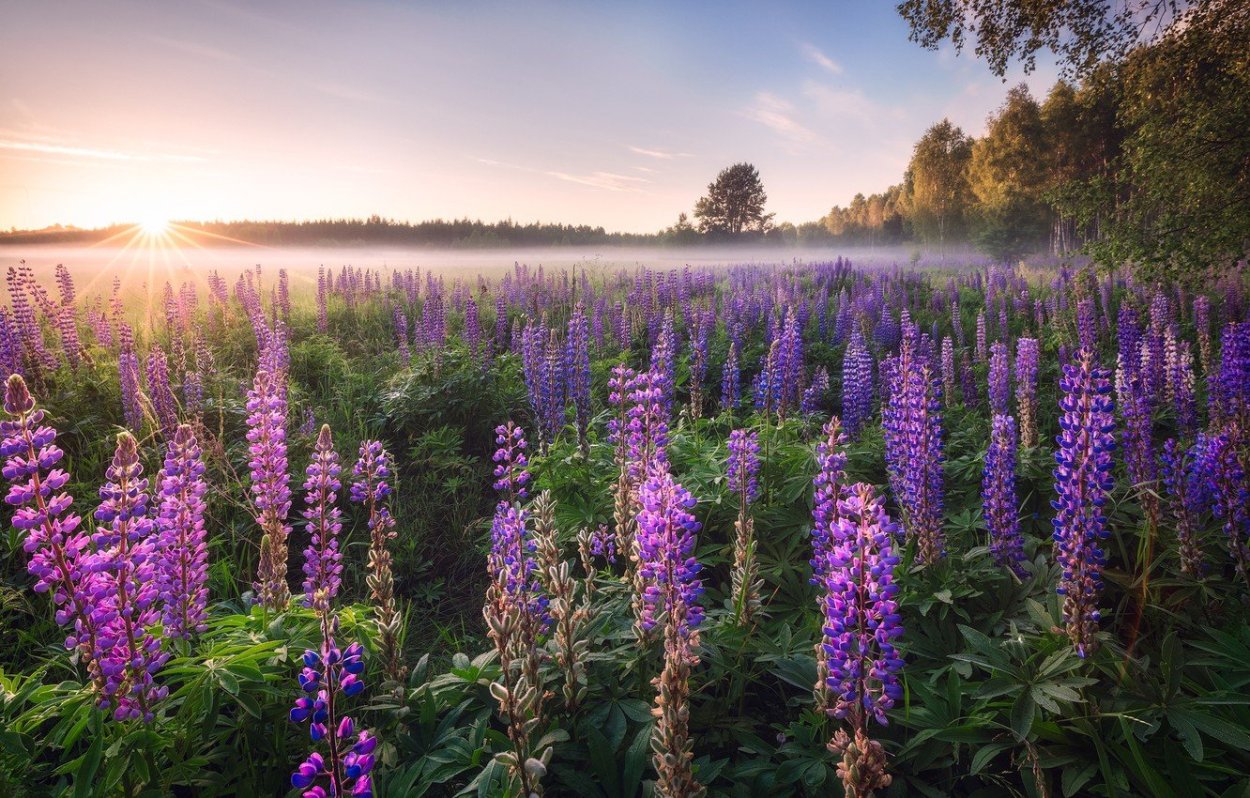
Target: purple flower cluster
912	423
999	380
814	395
180	522
861	618
577	373
1082	481
1186	494
271	491
128	591
1027	357
511	562
856	385
731	381
323	566
329	677
744	464
998	496
511	475
1228	490
60	555
829	484
667	565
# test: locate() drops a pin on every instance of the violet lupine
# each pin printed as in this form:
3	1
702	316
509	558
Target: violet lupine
1228	490
768	381
814	395
127	561
948	370
700	334
164	405
1230	385
1027	356
664	366
511	475
60	554
183	554
912	423
1202	325
323	562
860	624
968	383
982	347
731	381
857	387
647	427
1086	325
130	380
742	474
1180	383
577	373
271	487
516	616
1139	454
1083	481
371	487
998	497
667	567
999	380
329	677
1184	492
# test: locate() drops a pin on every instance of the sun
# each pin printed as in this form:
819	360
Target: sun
154	226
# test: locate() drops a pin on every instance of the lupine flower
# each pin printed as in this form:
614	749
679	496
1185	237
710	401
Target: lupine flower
744	464
1086	325
61	559
1179	376
1082	481
669	571
1026	389
271	492
1230	386
814	396
164	405
856	385
998	496
128	375
577	370
742	473
329	677
968	383
731	381
127	560
860	614
664	367
982	346
1139	456
1183	488
1202	324
999	380
1228	489
511	475
948	370
323	566
183	570
372	489
912	423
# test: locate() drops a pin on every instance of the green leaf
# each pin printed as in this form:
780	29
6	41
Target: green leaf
1022	712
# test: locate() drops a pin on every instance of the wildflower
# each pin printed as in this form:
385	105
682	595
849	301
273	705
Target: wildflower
998	496
180	521
323	567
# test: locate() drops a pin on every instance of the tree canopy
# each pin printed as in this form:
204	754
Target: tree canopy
734	203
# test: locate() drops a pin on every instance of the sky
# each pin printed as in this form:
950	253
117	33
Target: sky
615	114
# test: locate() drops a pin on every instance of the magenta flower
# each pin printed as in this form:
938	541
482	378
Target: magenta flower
323	566
183	570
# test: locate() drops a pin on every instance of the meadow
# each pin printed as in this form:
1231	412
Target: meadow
765	529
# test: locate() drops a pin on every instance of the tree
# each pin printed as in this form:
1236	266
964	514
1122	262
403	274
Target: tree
1007	174
940	196
734	203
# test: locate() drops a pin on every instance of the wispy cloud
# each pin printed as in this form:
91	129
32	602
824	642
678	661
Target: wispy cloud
658	154
817	57
90	152
842	104
196	49
607	181
779	114
342	91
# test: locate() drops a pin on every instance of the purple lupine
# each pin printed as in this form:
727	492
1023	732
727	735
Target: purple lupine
271	487
856	385
731	381
861	618
1179	381
1083	481
323	289
829	483
128	377
371	487
183	569
948	370
647	428
814	395
912	423
164	405
1202	325
1086	325
999	380
511	475
768	382
577	373
323	562
998	497
330	676
1027	357
1138	447
789	374
667	566
700	335
1184	491
664	366
1228	490
982	346
60	554
472	329
968	383
127	559
743	467
1230	385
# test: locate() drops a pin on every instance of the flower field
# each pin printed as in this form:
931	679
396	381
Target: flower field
802	529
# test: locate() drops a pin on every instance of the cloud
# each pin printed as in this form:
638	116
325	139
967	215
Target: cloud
814	54
342	91
659	154
196	49
774	112
89	152
607	181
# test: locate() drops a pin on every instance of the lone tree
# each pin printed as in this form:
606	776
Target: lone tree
734	203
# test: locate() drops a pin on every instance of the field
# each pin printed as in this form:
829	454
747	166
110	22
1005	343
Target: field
794	529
